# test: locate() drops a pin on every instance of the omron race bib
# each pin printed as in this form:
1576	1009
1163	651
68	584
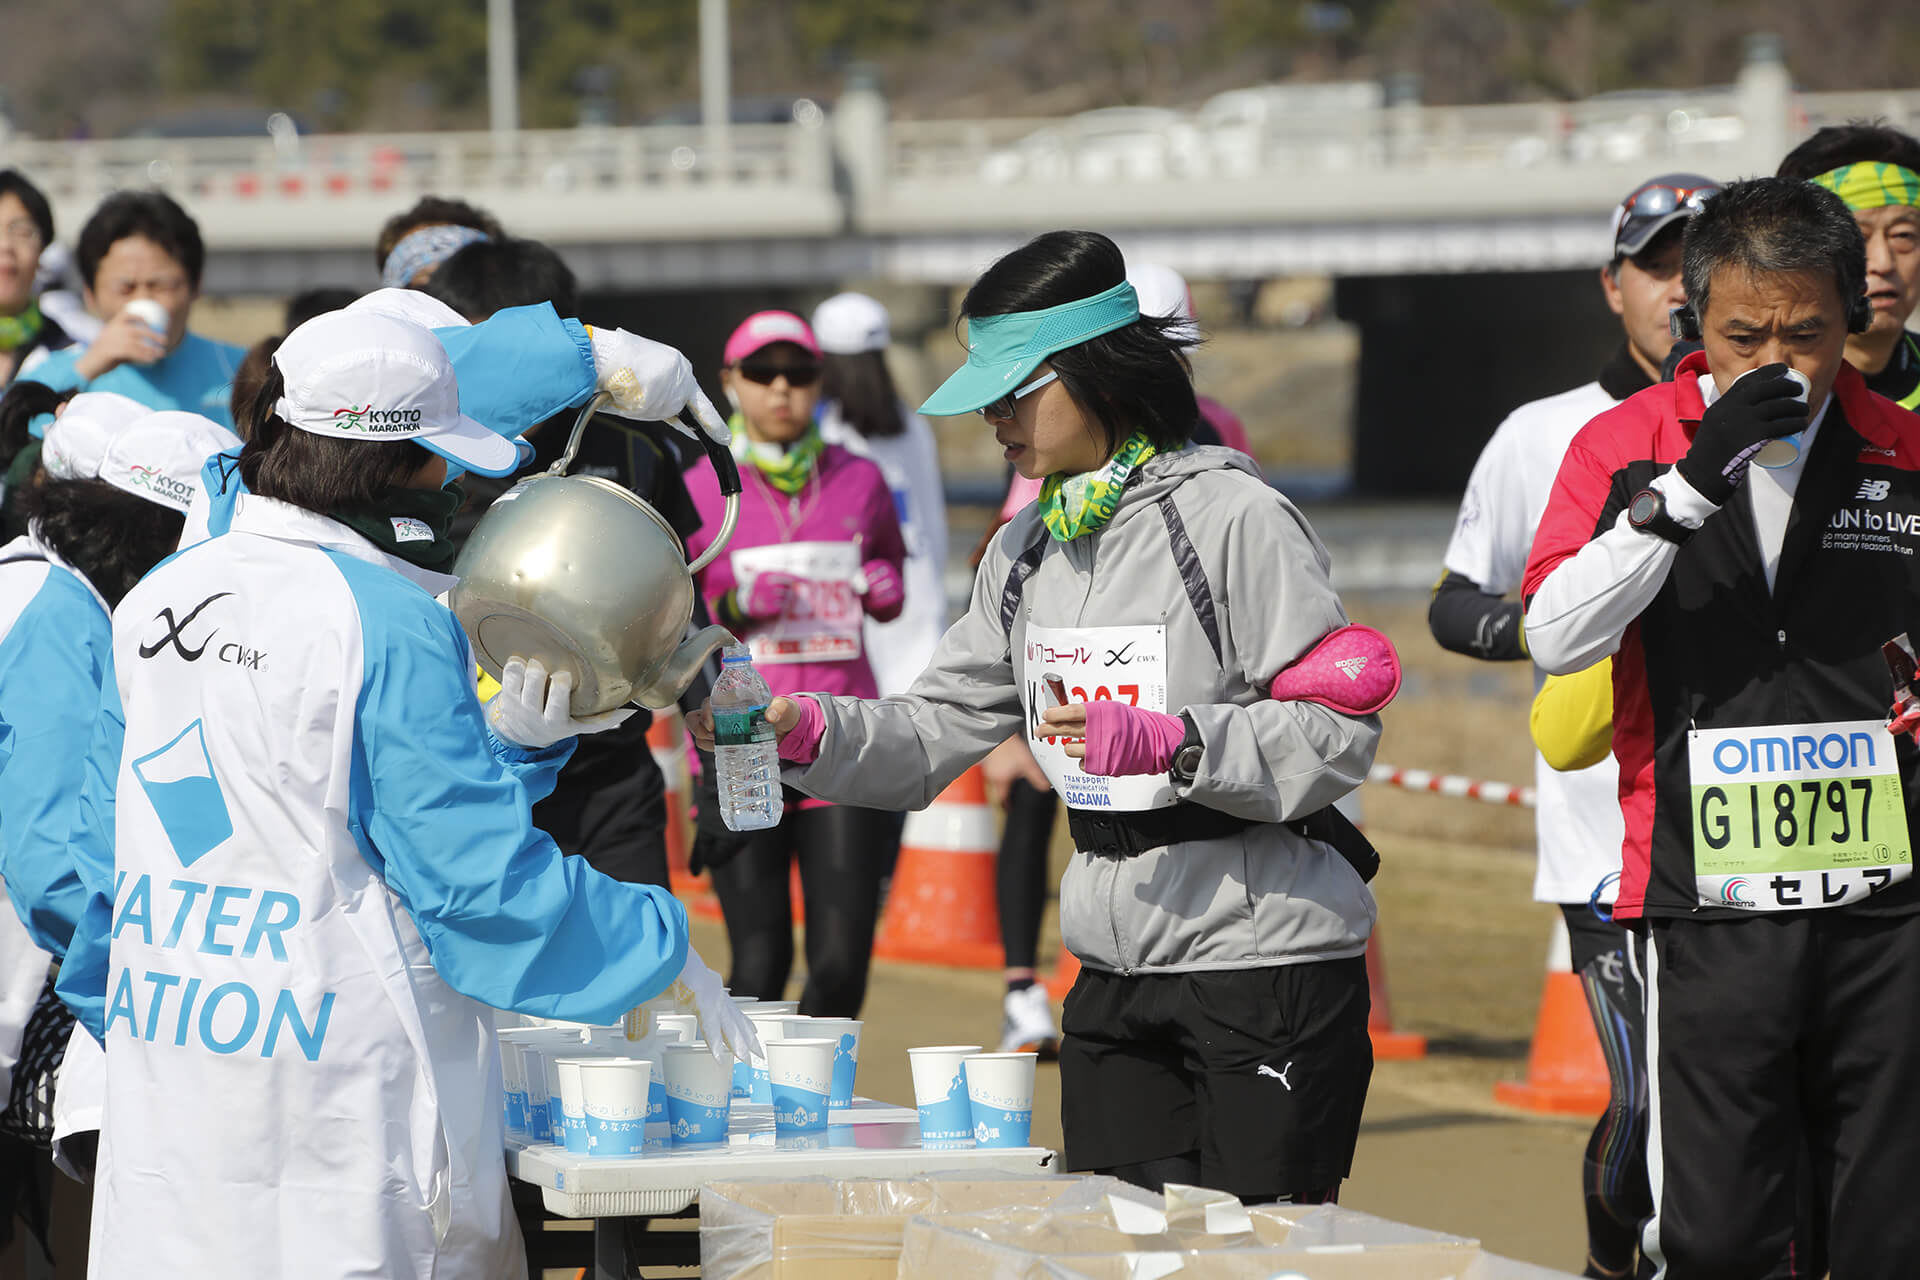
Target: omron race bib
1793	816
1092	664
822	621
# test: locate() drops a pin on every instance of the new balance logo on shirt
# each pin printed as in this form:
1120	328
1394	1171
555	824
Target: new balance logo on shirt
1874	490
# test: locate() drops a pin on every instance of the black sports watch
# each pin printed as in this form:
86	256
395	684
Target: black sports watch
1186	757
1648	511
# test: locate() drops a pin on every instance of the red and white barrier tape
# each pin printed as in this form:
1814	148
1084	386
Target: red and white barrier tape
1452	784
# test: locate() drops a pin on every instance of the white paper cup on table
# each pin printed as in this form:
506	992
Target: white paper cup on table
513	1083
573	1105
845	1033
699	1094
940	1091
800	1072
776	1006
613	1093
681	1028
1000	1095
769	1027
538	1098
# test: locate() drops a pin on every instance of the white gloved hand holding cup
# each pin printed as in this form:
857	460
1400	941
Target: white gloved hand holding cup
651	382
531	709
723	1025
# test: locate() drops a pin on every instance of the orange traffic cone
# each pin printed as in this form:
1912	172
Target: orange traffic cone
942	909
1387	1043
1565	1073
1065	970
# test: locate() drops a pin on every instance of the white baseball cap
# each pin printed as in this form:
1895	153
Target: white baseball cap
848	324
422	309
157	456
1164	292
370	376
87	422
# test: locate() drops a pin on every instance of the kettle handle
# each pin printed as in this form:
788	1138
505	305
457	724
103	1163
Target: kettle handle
719	454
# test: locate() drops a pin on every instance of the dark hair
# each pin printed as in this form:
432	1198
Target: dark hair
152	214
320	473
249	378
111	536
14	183
1851	143
1767	225
432	211
492	275
864	390
24	401
308	303
1135	378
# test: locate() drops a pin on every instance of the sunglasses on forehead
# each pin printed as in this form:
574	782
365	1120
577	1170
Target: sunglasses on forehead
798	373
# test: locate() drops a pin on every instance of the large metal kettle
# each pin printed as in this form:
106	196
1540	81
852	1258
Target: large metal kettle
585	576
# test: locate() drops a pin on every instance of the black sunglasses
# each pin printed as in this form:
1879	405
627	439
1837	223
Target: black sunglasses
797	375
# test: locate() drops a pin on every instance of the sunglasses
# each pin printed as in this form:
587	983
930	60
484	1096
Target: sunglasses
764	372
1003	407
1652	203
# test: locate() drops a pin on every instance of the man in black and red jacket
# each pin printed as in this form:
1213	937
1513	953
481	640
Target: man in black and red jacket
1742	546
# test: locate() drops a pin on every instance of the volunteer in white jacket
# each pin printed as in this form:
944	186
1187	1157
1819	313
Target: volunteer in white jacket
862	412
311	863
1168	598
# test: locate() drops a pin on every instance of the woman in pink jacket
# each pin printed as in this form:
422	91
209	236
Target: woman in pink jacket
817	550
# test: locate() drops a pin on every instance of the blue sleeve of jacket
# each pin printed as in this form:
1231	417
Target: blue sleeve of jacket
537	771
507	919
83	974
520	366
50	669
57	370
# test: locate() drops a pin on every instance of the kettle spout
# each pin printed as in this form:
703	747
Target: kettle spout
680	669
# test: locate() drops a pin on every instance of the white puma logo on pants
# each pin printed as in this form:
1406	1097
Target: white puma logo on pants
1281	1075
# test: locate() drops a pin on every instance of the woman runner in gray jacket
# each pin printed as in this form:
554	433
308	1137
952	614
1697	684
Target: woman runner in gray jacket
1134	620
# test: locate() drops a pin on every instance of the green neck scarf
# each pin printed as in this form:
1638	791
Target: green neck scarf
413	524
1073	505
18	331
787	469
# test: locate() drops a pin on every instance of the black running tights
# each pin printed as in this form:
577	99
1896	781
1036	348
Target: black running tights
1020	876
845	854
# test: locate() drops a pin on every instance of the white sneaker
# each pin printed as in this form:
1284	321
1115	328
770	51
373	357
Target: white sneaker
1026	1024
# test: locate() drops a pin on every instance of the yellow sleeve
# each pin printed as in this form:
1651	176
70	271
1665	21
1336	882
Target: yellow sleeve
1572	719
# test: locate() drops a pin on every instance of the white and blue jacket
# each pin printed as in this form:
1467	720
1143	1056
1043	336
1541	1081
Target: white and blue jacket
311	868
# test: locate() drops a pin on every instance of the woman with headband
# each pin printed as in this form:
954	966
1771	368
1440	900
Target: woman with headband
1160	625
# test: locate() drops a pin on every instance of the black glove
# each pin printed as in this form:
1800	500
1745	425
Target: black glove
1760	407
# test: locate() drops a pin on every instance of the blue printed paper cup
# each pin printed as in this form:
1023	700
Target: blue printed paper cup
801	1078
699	1094
538	1126
573	1107
513	1083
769	1025
940	1090
614	1095
743	1080
1000	1095
845	1033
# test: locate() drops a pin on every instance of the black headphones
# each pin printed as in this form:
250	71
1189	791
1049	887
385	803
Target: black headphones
1684	322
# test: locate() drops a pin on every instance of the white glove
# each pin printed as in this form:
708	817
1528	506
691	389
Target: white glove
728	1034
651	382
531	710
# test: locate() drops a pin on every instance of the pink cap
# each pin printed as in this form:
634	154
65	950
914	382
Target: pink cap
763	329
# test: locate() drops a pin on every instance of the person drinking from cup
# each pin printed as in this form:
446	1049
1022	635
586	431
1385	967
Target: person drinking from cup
141	258
817	552
1141	623
311	866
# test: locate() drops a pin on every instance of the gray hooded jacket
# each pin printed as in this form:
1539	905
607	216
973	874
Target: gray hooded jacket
1262	896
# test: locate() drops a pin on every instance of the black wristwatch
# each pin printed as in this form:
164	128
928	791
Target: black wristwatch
1186	757
1648	511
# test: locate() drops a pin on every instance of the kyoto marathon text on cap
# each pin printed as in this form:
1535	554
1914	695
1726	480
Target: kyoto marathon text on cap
152	455
1002	350
360	376
1656	204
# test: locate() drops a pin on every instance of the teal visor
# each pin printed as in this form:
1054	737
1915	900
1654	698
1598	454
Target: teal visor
1003	350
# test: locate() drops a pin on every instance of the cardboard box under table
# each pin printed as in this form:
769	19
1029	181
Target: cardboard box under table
851	1228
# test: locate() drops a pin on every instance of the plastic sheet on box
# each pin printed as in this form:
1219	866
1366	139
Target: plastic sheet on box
851	1228
1192	1236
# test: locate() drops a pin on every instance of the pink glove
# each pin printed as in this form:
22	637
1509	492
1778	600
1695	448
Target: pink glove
769	596
1124	739
802	743
1354	670
885	592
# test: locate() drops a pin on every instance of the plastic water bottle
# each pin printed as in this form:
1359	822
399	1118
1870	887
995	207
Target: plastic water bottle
745	748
